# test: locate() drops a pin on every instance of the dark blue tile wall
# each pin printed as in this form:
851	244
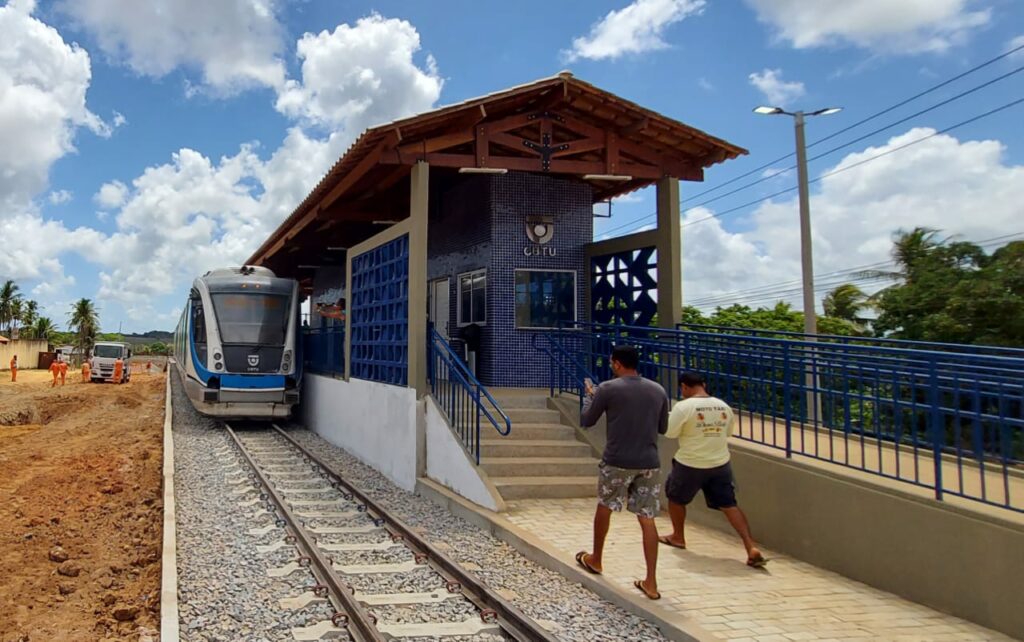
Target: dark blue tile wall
509	359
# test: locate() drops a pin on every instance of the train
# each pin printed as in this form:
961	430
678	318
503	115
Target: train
236	345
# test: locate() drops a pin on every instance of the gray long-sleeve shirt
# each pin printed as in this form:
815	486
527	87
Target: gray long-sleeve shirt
637	411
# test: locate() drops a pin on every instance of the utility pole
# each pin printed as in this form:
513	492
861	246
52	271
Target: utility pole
806	257
806	254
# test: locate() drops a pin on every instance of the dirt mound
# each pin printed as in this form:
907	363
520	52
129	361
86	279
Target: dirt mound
80	510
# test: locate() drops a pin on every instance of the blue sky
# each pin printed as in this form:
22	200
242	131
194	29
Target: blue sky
147	142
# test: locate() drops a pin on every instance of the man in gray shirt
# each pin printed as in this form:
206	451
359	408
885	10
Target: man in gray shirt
637	411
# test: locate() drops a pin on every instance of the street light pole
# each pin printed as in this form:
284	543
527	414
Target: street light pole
806	257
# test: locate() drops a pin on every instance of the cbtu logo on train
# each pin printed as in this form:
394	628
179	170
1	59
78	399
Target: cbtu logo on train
254	362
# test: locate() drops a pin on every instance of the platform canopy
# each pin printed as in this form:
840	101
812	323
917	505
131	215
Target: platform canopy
559	125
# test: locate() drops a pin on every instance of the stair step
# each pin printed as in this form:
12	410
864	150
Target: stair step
545	487
519	402
509	467
532	416
540	431
505	447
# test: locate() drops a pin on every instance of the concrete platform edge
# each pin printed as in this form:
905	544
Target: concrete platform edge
169	564
673	626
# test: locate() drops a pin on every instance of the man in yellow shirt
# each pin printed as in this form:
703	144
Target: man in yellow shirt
702	424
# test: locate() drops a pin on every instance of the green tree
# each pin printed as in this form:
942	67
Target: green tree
846	302
44	328
952	291
9	294
84	322
29	314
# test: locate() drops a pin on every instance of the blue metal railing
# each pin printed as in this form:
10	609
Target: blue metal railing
323	350
946	419
566	373
461	396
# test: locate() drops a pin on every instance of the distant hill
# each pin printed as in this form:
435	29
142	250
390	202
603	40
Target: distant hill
149	337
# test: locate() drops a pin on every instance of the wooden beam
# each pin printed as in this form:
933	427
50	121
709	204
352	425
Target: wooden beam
611	152
510	141
580	146
357	172
481	146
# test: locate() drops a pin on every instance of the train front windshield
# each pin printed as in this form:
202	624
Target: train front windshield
255	319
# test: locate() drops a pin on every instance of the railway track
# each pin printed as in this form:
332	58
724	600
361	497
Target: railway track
380	577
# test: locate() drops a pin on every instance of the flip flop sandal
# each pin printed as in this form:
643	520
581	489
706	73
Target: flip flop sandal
581	559
667	542
640	585
757	562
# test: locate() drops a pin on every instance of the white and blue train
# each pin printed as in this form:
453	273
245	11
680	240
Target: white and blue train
236	345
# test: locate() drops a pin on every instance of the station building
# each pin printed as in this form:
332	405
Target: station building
461	234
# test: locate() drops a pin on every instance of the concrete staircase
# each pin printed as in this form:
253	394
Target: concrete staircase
541	458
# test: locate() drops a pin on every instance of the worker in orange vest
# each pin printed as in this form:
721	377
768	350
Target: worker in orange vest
63	371
55	371
86	372
149	367
118	370
14	368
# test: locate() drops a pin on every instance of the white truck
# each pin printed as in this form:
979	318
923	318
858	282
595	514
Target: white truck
102	358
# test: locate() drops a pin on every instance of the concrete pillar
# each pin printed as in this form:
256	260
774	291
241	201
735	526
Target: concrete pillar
418	205
670	266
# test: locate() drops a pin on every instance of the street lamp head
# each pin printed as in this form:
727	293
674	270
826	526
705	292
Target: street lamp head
828	111
767	111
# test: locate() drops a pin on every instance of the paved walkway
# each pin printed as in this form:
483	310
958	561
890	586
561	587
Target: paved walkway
710	584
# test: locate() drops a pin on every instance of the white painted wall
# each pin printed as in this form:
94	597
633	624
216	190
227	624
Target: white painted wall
449	464
375	422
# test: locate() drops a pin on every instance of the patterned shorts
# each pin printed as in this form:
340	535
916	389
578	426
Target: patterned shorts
637	489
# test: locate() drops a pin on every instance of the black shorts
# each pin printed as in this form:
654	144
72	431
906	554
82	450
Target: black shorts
717	483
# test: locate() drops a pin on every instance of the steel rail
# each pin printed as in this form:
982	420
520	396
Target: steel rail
359	623
513	621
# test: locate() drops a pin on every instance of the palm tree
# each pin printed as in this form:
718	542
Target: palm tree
8	295
29	313
43	328
845	302
85	323
910	247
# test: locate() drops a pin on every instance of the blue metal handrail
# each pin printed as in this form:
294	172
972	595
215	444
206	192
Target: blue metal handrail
882	342
558	356
950	420
461	395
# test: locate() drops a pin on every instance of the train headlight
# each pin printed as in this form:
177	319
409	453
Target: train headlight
218	366
217	356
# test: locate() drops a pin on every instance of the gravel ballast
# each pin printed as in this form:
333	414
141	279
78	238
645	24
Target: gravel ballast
226	594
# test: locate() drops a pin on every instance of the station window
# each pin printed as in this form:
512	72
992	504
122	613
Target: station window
473	298
545	298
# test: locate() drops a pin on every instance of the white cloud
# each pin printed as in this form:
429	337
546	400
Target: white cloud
633	29
111	195
234	44
1016	43
60	197
184	217
907	26
778	92
706	84
119	120
359	76
43	82
962	188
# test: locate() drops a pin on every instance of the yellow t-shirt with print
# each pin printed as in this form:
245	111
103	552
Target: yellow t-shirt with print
702	425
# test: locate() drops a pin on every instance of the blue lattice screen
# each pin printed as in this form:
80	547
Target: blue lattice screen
624	287
380	313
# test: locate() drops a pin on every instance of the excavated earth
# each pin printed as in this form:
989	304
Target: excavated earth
80	508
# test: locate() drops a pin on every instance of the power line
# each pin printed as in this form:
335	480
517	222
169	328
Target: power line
863	137
785	288
861	162
867	119
846	129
